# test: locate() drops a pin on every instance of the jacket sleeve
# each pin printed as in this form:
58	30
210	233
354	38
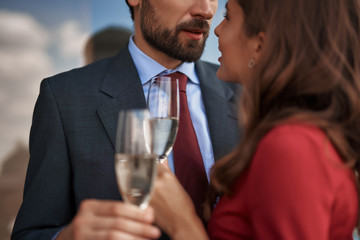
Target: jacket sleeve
48	203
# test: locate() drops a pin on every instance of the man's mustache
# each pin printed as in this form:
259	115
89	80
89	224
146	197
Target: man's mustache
196	23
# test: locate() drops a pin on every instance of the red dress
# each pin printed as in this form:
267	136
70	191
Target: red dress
295	188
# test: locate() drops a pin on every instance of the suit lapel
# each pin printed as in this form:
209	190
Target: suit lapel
123	87
122	84
220	106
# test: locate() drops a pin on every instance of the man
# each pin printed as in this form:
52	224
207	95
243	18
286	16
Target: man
73	131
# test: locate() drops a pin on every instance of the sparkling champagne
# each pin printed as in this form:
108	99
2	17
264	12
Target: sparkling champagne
135	176
164	135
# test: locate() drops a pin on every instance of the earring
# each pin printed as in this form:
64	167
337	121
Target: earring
251	63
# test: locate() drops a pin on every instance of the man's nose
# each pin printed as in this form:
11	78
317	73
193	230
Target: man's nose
204	8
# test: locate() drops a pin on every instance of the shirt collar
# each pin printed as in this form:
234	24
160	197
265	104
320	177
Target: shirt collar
148	67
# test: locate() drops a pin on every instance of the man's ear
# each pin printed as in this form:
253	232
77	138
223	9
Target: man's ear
133	3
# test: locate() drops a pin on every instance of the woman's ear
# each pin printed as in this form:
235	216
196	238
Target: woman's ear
259	41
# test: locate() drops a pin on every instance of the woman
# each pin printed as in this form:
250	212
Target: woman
292	177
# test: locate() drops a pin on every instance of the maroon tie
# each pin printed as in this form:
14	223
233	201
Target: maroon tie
189	166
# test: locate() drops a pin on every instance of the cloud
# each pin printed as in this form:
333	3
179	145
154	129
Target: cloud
72	39
24	62
29	52
18	27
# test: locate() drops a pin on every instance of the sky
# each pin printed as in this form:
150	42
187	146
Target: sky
40	38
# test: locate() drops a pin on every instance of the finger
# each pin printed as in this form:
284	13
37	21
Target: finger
116	209
162	169
90	224
125	225
100	235
165	163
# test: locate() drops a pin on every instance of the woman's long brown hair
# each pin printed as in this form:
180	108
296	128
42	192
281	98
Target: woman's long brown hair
309	70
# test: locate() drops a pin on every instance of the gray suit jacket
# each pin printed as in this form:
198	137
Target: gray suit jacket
73	133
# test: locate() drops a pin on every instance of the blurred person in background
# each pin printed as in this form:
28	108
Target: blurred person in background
106	43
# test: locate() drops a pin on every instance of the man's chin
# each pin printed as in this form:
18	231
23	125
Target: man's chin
188	56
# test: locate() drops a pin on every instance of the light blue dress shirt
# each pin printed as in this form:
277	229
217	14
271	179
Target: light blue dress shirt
149	68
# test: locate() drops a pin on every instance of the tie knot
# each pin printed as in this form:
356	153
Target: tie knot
182	80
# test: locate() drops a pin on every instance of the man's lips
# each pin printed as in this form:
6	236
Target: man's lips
195	30
194	33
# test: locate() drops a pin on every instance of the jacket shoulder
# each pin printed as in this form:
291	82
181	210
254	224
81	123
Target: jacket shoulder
207	65
82	75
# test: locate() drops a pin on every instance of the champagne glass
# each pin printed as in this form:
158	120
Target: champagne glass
135	164
163	104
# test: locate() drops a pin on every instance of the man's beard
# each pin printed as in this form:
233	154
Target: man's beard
167	40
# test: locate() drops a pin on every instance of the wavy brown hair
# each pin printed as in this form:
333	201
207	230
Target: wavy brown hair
309	70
